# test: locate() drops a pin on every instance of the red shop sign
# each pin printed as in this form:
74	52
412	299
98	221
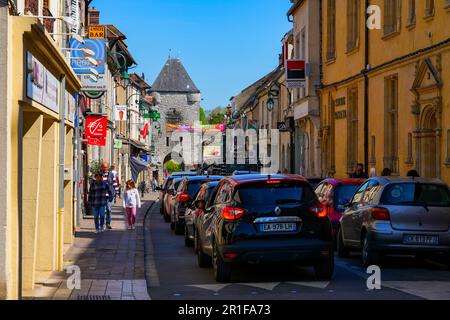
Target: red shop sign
96	126
101	142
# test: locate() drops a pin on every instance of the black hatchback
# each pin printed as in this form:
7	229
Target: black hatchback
264	218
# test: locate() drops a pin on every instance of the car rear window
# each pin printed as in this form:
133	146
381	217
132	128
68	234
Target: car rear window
343	195
274	194
433	195
193	187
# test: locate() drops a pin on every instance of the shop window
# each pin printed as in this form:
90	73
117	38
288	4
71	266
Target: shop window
391	124
331	30
352	24
392	16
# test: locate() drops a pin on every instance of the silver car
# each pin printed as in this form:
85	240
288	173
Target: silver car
396	216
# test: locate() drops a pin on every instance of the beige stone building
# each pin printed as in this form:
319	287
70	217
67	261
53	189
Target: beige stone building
38	87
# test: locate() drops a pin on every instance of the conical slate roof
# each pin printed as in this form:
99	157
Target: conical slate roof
174	78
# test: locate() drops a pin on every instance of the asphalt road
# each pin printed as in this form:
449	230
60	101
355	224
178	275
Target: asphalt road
173	274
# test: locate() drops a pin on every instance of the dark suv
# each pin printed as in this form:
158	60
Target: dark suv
183	199
264	218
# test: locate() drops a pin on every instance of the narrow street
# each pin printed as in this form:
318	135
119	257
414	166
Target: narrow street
172	274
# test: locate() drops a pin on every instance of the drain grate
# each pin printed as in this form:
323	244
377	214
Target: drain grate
93	297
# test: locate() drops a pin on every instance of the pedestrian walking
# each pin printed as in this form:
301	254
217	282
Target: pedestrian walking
99	195
131	202
115	182
108	176
154	184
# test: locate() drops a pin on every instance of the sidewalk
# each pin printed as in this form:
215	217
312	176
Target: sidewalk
111	263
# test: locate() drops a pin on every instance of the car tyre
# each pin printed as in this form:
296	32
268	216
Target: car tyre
187	241
324	270
222	269
369	255
343	252
178	228
203	260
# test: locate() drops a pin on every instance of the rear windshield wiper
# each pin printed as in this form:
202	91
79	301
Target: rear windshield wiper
282	201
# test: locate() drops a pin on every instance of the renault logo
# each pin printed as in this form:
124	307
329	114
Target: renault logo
277	211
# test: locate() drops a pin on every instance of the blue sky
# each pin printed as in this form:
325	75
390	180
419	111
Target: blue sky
225	45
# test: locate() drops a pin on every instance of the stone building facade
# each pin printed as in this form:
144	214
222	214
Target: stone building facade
178	102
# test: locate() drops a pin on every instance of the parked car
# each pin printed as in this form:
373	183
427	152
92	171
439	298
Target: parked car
314	181
334	194
183	199
162	193
192	212
170	194
242	172
396	216
184	174
262	218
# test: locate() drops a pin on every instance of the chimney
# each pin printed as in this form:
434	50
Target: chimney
93	16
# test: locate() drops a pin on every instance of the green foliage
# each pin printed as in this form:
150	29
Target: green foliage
172	166
95	166
203	119
217	115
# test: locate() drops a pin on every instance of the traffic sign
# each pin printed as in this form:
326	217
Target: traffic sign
97	32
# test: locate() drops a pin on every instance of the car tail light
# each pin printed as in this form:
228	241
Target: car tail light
273	181
319	211
230	256
381	214
183	197
232	213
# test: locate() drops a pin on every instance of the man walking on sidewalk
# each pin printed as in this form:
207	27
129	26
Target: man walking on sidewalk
108	176
98	199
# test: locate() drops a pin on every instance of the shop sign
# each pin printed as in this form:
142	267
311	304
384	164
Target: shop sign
118	143
70	106
101	142
42	86
340	114
96	127
121	113
97	32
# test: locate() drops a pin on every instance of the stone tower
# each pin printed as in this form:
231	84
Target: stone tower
178	102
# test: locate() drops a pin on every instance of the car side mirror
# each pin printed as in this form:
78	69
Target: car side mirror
200	204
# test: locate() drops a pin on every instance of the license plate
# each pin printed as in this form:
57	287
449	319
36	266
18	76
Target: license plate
278	227
421	239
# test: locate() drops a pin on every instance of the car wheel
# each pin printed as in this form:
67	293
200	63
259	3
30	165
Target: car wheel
325	268
166	218
369	256
178	228
343	252
203	260
222	269
187	241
